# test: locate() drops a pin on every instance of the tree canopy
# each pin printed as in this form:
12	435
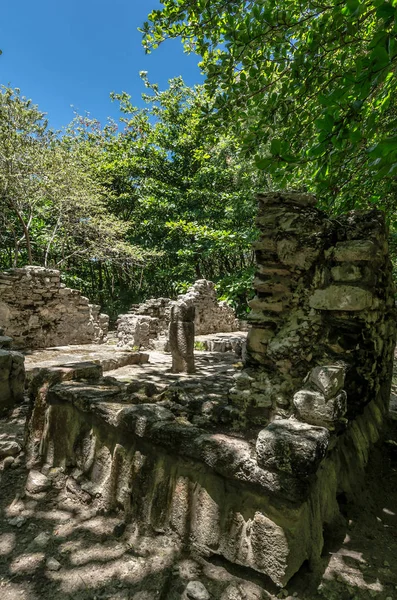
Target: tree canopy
132	209
310	86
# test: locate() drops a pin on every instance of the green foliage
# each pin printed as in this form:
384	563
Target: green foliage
309	86
131	210
53	210
200	346
183	190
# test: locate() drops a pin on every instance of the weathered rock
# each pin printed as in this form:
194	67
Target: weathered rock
42	540
355	250
342	297
53	564
195	590
147	324
9	448
5	342
37	311
37	482
324	289
290	446
329	379
18	521
312	407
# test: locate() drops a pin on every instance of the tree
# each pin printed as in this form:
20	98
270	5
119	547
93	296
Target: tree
310	85
52	208
184	189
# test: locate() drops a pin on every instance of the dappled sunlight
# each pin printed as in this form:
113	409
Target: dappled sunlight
27	562
343	570
7	543
97	552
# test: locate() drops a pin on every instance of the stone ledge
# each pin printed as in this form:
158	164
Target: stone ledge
230	456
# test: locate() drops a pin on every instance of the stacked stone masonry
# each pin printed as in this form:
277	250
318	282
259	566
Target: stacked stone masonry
309	403
38	311
324	297
147	324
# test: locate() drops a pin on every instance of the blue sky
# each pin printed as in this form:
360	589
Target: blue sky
75	52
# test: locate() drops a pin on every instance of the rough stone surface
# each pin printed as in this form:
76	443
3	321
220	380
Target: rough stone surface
37	311
341	297
328	379
9	448
147	324
181	337
169	456
195	590
37	482
53	564
12	379
290	446
313	407
325	296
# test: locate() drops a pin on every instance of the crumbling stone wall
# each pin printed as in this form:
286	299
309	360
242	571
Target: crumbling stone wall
144	323
38	311
324	296
147	322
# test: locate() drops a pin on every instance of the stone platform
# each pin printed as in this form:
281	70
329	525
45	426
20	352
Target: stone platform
245	460
162	447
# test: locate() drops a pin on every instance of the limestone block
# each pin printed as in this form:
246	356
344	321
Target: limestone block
355	250
341	297
269	304
293	447
9	447
270	547
346	272
329	380
291	253
37	482
313	408
257	339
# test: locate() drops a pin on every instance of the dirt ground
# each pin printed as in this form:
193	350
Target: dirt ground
53	547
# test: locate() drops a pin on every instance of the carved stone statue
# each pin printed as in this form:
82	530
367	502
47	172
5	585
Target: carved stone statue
181	337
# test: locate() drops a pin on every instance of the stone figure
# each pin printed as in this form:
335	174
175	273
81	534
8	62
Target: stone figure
181	337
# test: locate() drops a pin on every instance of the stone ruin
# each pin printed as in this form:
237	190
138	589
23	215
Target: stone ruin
258	479
181	337
325	297
147	324
38	311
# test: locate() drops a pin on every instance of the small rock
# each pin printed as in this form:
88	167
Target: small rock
42	539
9	448
195	590
37	482
17	521
52	564
8	462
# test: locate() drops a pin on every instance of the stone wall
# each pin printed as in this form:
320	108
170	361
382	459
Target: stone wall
38	311
310	402
324	296
147	322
